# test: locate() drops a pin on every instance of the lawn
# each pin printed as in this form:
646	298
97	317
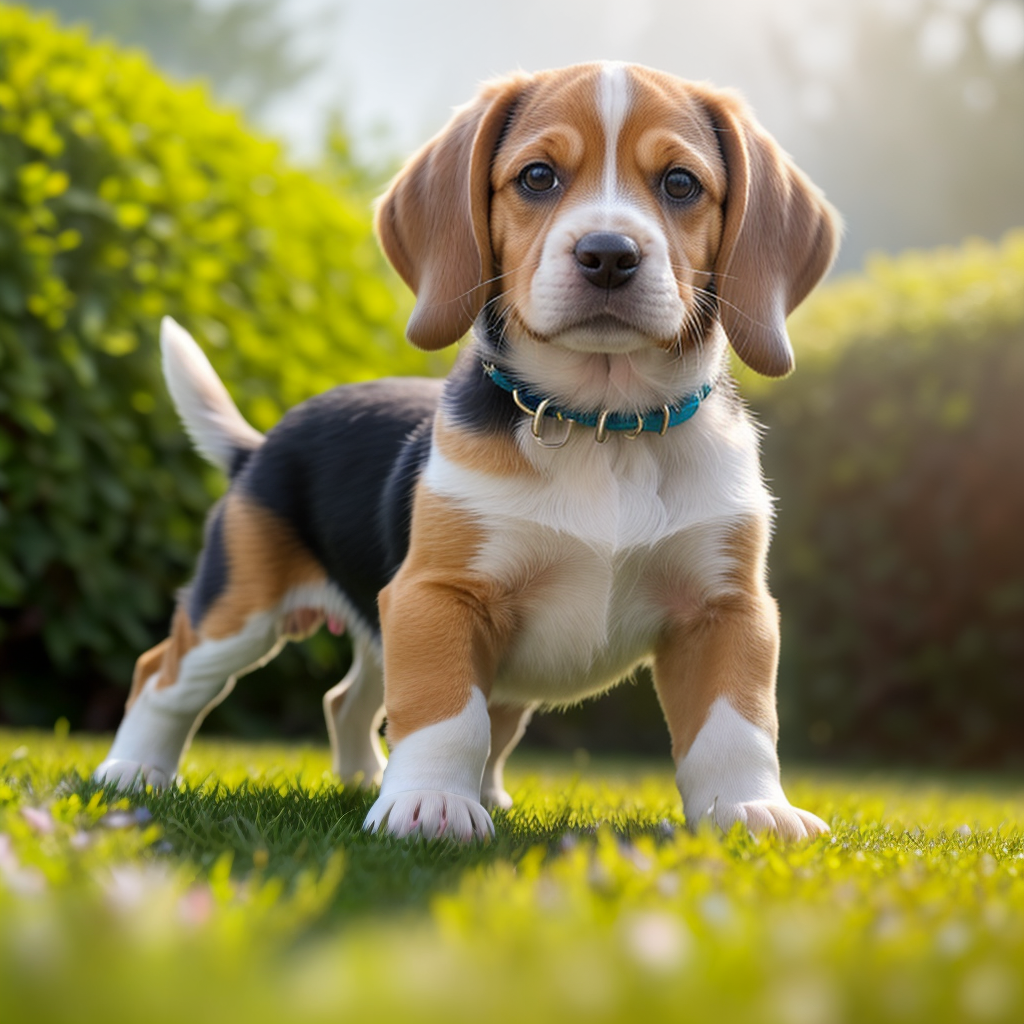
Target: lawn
250	894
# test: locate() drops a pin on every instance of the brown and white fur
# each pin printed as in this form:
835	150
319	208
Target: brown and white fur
662	225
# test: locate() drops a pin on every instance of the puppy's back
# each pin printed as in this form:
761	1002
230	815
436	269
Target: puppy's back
340	469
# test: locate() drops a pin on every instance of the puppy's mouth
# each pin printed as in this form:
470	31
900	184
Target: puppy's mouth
606	331
603	323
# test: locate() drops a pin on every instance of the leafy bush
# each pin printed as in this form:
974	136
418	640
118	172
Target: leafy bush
896	453
122	198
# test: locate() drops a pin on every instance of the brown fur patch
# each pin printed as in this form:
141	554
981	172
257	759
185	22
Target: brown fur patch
491	454
145	666
747	548
265	560
182	640
725	647
444	625
165	658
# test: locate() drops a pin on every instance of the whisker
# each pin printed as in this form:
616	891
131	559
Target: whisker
715	275
725	302
482	284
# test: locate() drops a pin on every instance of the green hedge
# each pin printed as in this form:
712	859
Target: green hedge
122	198
897	454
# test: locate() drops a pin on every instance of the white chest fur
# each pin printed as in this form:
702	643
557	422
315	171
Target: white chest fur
604	542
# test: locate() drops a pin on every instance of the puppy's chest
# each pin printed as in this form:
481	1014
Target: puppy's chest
584	613
621	495
597	549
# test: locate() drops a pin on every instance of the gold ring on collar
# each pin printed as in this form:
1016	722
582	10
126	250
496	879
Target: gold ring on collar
632	435
535	426
520	403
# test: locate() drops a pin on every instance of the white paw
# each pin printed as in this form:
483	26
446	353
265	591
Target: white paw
432	814
759	816
131	775
493	796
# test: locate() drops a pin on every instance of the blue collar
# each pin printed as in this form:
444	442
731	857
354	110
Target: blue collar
655	421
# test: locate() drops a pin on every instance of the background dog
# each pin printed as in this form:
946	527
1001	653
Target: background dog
581	495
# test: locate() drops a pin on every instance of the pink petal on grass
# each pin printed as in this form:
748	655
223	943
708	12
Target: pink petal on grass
195	907
38	819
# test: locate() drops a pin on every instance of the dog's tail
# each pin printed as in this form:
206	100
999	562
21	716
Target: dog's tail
210	417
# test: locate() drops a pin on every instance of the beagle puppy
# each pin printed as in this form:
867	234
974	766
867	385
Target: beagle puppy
581	496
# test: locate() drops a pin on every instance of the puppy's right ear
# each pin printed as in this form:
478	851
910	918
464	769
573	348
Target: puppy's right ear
434	220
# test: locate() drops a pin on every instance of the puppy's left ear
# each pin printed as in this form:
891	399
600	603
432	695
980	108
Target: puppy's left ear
779	238
434	220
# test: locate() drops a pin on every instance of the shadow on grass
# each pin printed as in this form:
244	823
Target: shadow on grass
284	831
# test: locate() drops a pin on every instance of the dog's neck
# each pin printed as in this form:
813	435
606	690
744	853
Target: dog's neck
625	382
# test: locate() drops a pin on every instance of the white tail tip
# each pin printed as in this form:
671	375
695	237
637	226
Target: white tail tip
210	417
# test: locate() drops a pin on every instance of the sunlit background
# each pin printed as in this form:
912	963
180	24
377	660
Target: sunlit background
909	113
895	450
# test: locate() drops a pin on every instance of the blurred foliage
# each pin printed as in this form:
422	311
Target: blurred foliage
914	149
897	454
249	892
245	51
123	198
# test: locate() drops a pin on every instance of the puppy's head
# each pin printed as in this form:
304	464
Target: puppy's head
607	208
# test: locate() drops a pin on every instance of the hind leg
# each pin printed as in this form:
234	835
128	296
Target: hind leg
237	618
507	727
354	710
176	685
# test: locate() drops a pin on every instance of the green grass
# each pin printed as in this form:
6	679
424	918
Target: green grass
249	893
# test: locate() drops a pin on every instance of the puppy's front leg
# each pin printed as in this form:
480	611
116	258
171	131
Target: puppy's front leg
715	676
438	631
438	726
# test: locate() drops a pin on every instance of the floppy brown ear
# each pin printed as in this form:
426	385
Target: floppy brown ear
433	221
778	240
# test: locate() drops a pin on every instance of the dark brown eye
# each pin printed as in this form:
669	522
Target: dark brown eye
538	177
680	185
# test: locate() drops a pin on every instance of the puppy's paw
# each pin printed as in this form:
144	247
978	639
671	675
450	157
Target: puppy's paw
131	775
496	796
430	813
761	816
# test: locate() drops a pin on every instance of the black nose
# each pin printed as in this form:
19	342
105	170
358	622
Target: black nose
607	259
